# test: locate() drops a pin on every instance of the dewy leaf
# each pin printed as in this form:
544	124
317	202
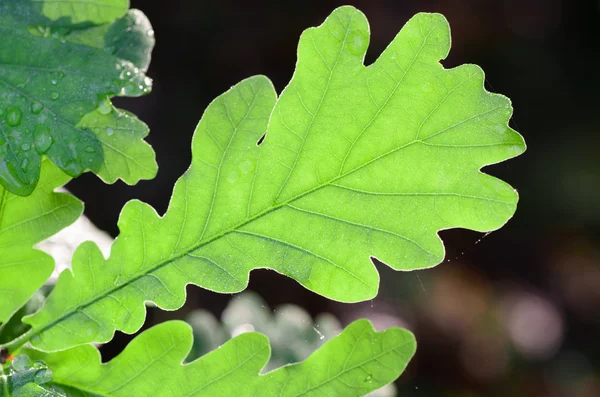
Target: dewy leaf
24	378
59	62
354	363
357	162
25	221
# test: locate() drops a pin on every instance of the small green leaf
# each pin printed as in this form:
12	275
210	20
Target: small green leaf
56	67
121	135
25	221
357	361
358	162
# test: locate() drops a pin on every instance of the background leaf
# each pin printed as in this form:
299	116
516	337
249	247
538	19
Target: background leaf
56	67
24	222
357	162
290	329
357	361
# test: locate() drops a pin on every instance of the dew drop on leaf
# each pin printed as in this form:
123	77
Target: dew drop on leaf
25	147
109	131
357	42
90	149
21	363
247	166
54	96
42	139
43	376
13	116
233	176
104	107
36	107
24	164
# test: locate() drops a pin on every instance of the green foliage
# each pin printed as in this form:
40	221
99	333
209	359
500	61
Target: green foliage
59	64
25	221
362	161
358	162
292	333
354	363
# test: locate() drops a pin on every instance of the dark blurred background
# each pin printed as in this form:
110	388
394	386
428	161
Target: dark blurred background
512	313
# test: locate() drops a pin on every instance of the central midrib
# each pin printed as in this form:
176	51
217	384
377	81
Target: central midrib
184	251
3	201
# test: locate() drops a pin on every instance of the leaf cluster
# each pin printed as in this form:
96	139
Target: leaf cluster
348	163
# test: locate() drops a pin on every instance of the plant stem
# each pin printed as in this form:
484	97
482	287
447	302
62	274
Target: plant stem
4	380
16	344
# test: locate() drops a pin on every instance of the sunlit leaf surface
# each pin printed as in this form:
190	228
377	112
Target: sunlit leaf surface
357	361
357	162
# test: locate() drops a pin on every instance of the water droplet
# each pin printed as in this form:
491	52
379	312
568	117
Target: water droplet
72	167
25	147
90	149
13	117
515	150
129	89
42	139
357	42
53	82
104	107
36	107
247	166
21	362
427	87
369	379
24	164
500	129
109	131
233	176
150	33
54	96
36	338
43	376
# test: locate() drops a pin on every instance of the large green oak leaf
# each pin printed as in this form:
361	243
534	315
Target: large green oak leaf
60	62
358	162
